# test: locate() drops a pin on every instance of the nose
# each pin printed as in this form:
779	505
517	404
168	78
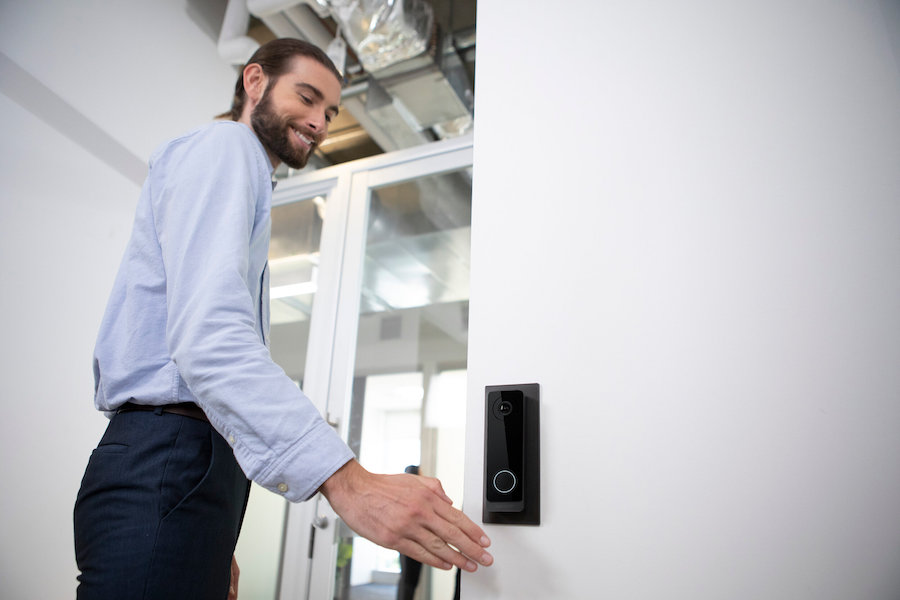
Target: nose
317	122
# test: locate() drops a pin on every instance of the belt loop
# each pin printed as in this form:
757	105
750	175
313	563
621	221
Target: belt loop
158	411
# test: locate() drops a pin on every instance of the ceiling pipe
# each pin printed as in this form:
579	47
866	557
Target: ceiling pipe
281	27
357	107
310	26
290	18
234	46
267	8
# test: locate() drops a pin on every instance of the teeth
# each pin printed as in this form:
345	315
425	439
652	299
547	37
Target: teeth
303	138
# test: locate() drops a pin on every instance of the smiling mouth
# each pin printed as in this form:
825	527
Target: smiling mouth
304	139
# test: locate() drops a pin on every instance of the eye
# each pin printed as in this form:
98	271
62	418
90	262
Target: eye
305	99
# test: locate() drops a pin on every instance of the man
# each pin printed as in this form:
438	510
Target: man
181	366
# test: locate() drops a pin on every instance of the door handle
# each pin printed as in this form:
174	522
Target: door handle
320	522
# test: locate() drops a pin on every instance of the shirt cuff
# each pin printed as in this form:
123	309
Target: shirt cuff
299	473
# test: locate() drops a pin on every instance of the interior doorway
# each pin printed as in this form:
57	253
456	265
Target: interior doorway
370	274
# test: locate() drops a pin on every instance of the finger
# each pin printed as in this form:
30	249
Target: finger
457	529
448	534
417	552
436	536
432	545
457	517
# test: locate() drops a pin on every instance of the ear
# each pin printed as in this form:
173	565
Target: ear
255	81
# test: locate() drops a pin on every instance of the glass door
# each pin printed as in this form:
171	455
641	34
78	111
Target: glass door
304	258
293	271
387	351
397	387
408	391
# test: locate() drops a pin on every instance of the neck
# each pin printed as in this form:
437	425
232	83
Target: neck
245	119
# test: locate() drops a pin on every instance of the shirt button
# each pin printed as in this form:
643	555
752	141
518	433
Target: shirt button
231	439
282	487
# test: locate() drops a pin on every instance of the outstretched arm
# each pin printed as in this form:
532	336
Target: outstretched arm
407	513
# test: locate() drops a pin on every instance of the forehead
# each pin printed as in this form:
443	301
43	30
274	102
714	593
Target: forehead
305	70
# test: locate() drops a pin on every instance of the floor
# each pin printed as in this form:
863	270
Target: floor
373	591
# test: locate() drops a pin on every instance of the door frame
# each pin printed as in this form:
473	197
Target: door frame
309	549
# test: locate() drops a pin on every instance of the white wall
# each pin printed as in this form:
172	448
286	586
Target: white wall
121	76
686	228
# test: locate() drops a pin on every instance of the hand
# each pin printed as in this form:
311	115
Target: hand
235	575
407	513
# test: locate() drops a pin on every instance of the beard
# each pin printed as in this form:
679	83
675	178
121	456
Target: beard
275	134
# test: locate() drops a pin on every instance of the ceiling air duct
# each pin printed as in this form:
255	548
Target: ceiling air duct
384	32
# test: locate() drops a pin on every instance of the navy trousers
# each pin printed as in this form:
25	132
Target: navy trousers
159	511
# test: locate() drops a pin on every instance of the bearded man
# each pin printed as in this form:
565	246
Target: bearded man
197	407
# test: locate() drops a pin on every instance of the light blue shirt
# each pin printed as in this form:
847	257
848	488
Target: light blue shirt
188	317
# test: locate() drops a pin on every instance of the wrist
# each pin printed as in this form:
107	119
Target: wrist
342	479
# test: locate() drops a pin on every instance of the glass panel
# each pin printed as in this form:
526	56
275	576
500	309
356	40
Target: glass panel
408	399
293	267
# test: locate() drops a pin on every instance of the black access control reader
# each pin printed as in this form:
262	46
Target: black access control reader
512	481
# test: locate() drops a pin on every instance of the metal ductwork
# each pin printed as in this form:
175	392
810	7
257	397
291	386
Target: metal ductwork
384	32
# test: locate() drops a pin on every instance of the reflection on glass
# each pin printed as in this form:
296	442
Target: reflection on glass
293	266
408	399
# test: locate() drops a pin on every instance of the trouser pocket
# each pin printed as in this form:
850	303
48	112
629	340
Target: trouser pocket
188	464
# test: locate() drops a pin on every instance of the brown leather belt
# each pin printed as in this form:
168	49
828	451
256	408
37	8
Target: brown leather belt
185	409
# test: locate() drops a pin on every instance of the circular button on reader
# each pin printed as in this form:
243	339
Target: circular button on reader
505	481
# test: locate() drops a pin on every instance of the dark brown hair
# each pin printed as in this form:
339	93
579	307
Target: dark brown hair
275	58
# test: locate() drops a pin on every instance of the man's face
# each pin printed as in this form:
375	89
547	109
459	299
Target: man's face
292	116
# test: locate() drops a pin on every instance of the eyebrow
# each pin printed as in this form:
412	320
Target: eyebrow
318	94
